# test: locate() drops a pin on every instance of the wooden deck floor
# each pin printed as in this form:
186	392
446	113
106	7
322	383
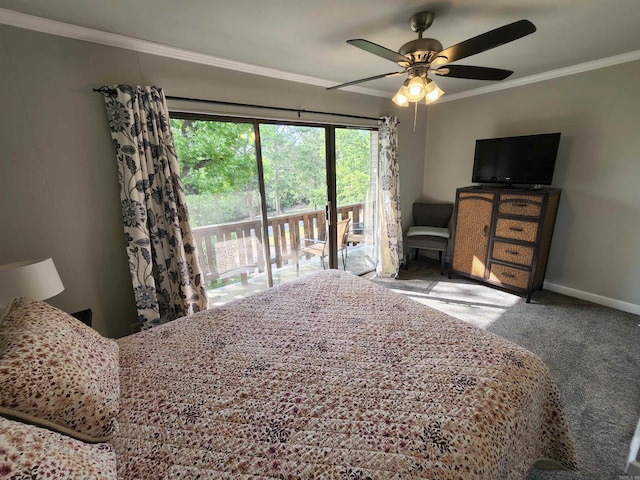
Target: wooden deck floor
357	263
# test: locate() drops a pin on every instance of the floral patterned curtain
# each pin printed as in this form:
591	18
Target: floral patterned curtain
389	242
167	280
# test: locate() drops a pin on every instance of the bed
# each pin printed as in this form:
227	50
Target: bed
330	376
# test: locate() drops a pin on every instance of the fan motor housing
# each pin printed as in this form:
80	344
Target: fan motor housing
420	49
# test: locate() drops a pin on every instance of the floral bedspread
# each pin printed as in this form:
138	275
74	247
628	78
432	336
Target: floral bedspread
333	377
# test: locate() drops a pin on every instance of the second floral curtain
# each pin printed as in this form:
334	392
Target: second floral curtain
388	217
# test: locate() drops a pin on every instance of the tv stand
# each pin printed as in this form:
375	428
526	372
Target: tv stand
502	236
508	186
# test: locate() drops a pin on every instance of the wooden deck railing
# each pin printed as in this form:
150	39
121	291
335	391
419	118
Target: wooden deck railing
231	249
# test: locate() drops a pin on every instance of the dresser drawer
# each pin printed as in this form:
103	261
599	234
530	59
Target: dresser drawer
521	205
516	229
511	276
513	253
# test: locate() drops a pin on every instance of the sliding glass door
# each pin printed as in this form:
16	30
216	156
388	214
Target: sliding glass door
356	164
260	195
295	184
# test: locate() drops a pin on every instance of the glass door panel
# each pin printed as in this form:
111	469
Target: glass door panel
356	164
219	174
295	179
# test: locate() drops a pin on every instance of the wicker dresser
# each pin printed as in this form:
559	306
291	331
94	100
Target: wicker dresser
502	236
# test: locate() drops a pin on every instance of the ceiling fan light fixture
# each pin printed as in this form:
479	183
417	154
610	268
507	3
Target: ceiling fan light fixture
416	89
420	56
433	91
401	99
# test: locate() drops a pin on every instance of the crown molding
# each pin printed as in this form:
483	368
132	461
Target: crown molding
61	29
53	27
541	77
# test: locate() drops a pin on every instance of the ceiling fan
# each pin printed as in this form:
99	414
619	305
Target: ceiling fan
419	57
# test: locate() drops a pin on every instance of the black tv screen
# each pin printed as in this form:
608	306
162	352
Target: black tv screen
527	159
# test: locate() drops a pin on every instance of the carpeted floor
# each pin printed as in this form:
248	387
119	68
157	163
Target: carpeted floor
592	351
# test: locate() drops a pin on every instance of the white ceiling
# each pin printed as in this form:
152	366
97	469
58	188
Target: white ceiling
308	38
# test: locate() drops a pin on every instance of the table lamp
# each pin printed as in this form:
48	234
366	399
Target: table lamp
37	279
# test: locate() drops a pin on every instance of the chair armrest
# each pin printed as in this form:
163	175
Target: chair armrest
306	241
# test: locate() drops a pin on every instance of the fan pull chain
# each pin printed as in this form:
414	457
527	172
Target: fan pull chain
415	117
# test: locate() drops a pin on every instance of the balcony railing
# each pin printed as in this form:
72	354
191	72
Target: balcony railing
229	250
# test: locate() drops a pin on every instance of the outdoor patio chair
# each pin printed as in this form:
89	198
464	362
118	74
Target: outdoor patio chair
321	247
355	234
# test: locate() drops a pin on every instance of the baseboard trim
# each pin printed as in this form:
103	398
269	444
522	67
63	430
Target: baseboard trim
633	465
632	469
592	297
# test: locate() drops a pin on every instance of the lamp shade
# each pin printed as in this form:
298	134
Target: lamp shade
37	279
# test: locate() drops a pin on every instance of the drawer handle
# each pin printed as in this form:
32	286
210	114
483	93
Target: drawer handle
515	229
485	230
508	275
520	204
512	252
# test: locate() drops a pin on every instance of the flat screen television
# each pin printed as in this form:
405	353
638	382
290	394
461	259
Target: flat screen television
522	160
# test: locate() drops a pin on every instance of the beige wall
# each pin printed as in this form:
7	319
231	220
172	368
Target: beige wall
595	249
58	180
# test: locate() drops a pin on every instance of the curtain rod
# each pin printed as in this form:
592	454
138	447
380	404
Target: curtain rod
250	105
266	107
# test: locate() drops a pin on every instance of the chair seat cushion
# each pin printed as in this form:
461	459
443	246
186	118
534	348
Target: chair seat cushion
427	242
355	238
430	231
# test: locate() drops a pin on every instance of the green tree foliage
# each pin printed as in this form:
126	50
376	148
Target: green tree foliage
294	166
218	169
352	165
215	156
219	172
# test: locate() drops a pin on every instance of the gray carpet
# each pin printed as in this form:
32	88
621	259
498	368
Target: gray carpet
592	351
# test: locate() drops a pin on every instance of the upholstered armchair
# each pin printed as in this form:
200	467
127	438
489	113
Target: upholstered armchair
430	230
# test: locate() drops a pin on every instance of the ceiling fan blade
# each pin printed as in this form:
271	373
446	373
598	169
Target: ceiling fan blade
473	73
375	77
378	50
486	41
